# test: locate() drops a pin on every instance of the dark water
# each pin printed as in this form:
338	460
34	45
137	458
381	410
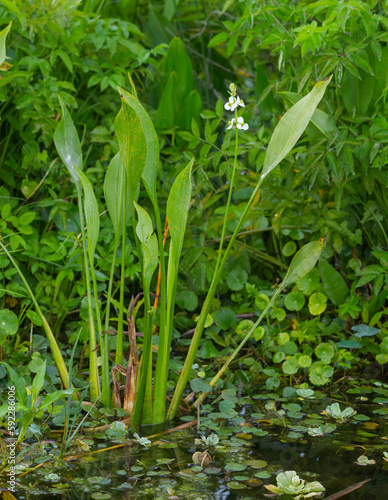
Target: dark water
159	472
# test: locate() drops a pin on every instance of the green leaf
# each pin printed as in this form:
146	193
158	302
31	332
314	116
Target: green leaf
365	331
291	126
225	318
324	351
132	142
218	39
38	381
236	279
145	232
178	204
187	300
317	303
177	61
349	344
92	215
322	122
165	114
54	396
289	248
152	144
3	37
294	301
68	145
333	283
200	385
290	366
8	324
20	385
304	260
114	185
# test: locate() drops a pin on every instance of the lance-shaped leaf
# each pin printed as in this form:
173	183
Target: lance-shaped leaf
152	144
178	206
291	126
132	141
68	145
304	260
92	215
320	120
114	186
3	37
149	243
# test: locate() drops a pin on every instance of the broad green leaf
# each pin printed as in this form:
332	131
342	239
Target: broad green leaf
54	396
178	61
38	381
170	7
114	185
320	120
165	114
291	126
68	145
92	215
3	37
152	144
8	324
333	283
149	243
132	142
178	206
304	260
191	109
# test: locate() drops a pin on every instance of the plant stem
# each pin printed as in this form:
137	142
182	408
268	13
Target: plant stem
93	368
184	376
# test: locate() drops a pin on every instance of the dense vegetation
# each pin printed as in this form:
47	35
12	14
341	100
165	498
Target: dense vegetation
65	62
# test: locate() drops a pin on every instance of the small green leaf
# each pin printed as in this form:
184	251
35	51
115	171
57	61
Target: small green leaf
187	300
236	279
317	303
8	324
225	318
289	248
68	145
365	331
200	385
303	262
333	283
294	301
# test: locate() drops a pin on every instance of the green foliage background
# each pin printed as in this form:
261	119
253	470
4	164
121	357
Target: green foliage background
182	57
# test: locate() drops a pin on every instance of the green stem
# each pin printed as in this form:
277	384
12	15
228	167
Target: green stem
184	376
93	367
161	371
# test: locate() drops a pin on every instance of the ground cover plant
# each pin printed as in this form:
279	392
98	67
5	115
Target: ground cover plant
225	227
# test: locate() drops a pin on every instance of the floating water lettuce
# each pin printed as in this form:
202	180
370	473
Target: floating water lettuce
334	411
289	483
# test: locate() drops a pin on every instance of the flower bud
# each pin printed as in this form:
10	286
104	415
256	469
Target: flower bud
233	88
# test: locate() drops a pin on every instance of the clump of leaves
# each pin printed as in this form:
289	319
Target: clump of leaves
334	411
289	483
211	440
364	460
142	440
321	430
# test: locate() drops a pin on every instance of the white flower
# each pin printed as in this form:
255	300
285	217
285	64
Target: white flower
233	103
239	124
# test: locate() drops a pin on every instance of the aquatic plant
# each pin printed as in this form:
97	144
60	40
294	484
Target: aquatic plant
334	411
289	483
